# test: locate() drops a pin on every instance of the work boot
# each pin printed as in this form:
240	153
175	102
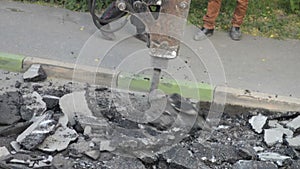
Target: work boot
142	37
203	33
140	28
235	33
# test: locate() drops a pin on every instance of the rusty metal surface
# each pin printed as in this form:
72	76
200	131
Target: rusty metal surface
167	31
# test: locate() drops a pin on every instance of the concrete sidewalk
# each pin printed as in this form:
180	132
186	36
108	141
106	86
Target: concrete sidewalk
257	64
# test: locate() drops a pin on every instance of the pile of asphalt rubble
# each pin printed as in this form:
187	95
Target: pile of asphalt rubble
46	124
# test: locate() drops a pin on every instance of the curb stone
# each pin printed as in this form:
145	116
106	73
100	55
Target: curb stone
87	74
11	62
198	91
251	99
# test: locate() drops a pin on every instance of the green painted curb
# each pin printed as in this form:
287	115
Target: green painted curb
11	62
199	91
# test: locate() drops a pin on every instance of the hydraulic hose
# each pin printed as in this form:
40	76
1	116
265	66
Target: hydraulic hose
97	20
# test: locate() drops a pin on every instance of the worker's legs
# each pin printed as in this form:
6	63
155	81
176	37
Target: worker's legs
212	13
239	13
140	28
237	20
209	20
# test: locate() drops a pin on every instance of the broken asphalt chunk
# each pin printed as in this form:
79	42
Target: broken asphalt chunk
51	101
295	164
274	124
124	163
106	156
43	163
74	103
34	74
218	153
164	122
98	126
33	106
17	147
146	157
39	162
294	124
4	152
258	122
18	84
180	157
10	108
36	133
258	149
87	131
61	162
22	162
93	154
275	135
105	145
81	145
16	128
279	159
294	142
138	108
58	141
244	164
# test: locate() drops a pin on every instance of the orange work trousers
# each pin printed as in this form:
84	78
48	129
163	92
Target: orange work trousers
213	10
